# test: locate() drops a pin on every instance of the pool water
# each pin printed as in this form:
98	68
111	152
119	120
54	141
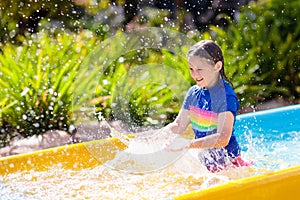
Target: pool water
274	151
182	177
269	152
271	139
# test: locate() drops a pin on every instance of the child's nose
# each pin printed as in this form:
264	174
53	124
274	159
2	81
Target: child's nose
197	73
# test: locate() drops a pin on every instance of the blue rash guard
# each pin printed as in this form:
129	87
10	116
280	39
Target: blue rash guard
204	106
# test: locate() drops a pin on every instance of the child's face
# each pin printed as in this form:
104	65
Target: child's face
204	72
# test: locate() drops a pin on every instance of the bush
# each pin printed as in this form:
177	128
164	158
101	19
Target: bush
20	17
39	77
263	52
36	80
140	85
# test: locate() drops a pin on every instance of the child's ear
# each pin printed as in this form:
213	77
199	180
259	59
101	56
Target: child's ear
218	66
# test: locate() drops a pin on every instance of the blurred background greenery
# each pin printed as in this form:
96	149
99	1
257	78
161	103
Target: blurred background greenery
44	43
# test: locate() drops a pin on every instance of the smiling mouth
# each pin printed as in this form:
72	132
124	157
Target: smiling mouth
198	80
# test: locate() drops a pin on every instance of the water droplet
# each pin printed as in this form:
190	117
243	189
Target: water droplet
121	59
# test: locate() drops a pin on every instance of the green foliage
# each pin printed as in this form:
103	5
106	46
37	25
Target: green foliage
18	17
36	80
6	133
145	92
262	51
139	83
140	86
151	94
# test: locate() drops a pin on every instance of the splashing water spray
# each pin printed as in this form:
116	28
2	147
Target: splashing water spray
150	150
113	132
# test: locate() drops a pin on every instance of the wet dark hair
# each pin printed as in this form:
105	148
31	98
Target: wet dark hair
210	50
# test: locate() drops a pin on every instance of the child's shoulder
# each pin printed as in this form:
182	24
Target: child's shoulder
228	88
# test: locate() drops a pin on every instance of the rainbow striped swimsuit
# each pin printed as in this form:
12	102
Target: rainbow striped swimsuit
203	120
204	106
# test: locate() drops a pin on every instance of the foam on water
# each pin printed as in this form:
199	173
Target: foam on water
147	156
184	175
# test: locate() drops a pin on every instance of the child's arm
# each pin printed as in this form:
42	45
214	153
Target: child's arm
219	139
180	124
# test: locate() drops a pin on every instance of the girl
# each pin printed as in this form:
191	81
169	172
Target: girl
210	107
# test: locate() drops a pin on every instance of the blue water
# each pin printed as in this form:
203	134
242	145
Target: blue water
271	138
272	151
